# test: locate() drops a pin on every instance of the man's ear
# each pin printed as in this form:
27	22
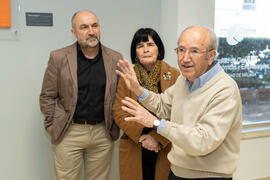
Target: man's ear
211	56
73	32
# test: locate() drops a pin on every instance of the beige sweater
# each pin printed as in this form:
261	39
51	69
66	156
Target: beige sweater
205	126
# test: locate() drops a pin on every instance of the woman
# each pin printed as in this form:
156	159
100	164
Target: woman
143	152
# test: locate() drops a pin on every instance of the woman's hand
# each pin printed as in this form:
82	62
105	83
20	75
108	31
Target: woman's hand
140	114
128	74
148	142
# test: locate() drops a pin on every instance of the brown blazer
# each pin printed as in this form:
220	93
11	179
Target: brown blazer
130	156
59	92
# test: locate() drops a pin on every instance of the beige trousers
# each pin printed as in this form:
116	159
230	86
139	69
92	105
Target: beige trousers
88	144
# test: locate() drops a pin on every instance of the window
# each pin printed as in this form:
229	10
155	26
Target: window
249	4
244	53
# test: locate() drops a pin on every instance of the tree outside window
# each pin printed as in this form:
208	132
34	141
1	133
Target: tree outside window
244	52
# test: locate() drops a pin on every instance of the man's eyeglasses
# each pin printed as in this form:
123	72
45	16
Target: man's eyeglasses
192	52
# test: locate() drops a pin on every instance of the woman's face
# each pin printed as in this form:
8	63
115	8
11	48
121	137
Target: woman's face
147	53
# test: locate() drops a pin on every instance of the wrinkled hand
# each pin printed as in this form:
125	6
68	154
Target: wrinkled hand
148	142
140	114
128	74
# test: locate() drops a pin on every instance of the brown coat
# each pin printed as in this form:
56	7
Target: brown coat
130	156
59	92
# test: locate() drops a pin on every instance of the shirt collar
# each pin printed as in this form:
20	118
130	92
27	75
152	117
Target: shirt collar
80	53
204	78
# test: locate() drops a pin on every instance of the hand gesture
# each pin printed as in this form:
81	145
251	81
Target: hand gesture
128	74
140	114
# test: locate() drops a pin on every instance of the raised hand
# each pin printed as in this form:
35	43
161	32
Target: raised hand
140	114
128	74
148	142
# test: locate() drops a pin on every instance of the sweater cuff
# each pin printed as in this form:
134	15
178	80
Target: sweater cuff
161	125
166	129
143	95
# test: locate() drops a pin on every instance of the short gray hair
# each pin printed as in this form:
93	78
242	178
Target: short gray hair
213	44
75	14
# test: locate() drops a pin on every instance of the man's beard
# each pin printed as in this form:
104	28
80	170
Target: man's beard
92	45
86	44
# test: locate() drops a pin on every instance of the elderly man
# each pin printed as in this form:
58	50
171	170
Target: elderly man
77	95
204	106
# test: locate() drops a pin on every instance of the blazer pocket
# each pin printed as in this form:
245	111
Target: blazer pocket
60	119
59	112
59	115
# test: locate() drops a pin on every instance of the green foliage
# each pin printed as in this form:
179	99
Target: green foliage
243	48
250	83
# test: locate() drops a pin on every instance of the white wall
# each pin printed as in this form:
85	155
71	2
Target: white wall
176	15
254	159
195	12
168	29
25	148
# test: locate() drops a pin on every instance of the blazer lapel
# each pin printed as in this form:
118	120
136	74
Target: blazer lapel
108	69
72	60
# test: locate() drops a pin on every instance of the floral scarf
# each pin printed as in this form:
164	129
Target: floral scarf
148	80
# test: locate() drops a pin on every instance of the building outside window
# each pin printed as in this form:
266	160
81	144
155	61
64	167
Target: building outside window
249	4
244	52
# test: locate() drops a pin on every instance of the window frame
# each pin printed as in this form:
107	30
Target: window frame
257	128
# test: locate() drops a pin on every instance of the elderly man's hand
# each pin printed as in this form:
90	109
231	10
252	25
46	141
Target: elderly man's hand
140	114
148	142
128	74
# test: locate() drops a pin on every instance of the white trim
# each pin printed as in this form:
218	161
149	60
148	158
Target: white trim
255	130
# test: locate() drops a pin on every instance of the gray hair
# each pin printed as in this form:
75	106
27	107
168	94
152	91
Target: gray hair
213	44
75	14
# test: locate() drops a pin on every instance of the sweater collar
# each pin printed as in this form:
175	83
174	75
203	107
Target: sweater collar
204	78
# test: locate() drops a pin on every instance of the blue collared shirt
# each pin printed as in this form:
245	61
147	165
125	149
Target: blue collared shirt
203	79
198	83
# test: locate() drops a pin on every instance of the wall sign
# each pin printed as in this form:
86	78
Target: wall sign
39	19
